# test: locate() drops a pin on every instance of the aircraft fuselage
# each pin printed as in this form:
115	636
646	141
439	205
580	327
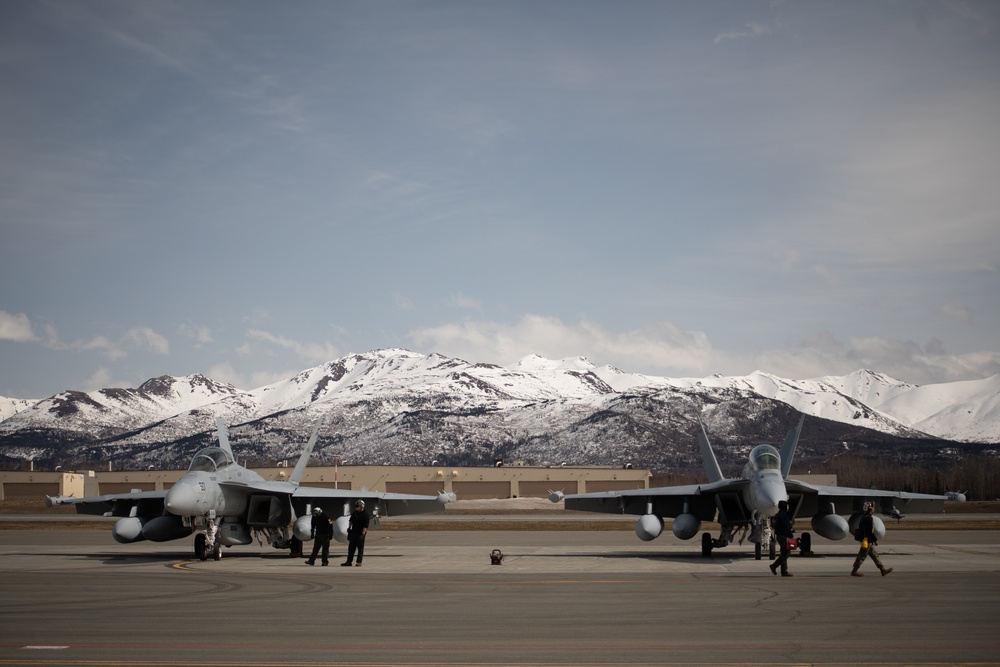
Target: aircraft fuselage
766	488
210	485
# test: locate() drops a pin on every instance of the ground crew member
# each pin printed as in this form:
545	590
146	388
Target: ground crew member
866	535
357	528
782	530
322	532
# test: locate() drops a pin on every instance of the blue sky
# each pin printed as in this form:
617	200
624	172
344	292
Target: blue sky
247	189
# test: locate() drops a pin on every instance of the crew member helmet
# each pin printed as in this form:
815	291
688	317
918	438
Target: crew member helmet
360	504
869	506
317	511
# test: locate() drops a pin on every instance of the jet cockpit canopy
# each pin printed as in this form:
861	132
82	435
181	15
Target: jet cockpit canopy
765	457
211	459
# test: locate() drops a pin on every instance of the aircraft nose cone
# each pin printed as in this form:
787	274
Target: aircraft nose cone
182	500
770	495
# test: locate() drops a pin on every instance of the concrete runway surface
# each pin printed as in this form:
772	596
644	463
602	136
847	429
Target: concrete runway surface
425	598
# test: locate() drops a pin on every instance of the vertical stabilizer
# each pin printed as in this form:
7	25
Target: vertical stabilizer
712	468
220	425
788	449
300	467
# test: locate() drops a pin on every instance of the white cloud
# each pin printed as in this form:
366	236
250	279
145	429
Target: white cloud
15	327
225	372
752	29
202	335
313	352
18	328
258	315
955	311
102	344
101	379
823	354
664	348
144	337
462	301
658	346
403	302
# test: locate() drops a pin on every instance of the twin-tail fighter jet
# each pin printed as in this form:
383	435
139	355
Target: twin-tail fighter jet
744	506
224	504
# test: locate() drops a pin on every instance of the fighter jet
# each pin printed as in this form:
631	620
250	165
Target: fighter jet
744	506
224	504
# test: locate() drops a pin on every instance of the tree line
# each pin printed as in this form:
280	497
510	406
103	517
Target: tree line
977	476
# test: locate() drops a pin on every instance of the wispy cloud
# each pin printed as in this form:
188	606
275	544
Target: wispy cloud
226	372
18	328
467	302
15	327
402	301
146	338
667	349
201	334
751	29
660	346
312	352
955	311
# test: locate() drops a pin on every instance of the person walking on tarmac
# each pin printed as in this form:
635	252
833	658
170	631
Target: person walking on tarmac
357	528
322	532
866	535
782	530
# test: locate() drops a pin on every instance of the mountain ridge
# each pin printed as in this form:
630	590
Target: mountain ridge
397	406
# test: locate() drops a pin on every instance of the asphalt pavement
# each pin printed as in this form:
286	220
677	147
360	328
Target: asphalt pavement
71	597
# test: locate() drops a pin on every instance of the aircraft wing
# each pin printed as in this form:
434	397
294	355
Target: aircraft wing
702	500
148	503
817	498
389	504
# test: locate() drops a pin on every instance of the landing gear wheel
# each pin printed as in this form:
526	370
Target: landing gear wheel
200	546
770	550
756	550
217	552
706	544
805	543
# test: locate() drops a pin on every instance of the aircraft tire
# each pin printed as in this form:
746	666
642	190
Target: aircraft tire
706	544
217	552
200	550
771	550
756	550
805	543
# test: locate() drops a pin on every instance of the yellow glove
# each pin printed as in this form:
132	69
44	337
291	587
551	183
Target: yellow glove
864	544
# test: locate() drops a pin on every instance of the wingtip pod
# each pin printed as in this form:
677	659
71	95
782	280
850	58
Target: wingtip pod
555	496
445	498
956	496
52	501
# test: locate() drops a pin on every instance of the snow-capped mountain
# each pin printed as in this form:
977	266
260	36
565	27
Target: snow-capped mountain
11	406
397	406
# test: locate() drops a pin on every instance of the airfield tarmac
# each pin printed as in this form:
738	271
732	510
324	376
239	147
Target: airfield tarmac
75	597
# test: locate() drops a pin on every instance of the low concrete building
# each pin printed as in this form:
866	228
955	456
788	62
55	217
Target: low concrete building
466	483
